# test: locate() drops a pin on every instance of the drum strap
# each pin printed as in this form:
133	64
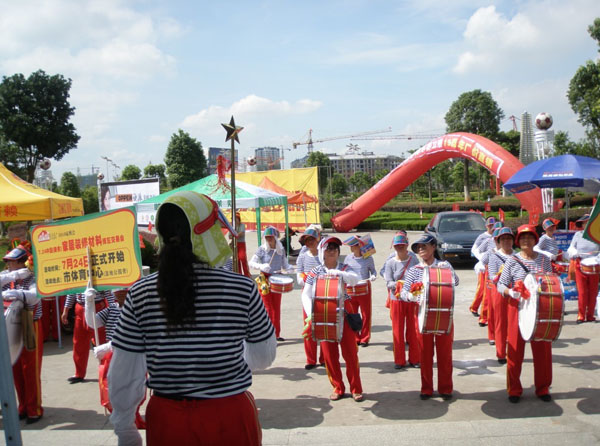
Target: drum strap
522	264
404	270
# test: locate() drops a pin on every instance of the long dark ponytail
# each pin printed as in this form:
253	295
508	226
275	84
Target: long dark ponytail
176	267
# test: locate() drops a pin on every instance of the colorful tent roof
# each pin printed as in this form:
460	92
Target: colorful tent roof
293	197
22	201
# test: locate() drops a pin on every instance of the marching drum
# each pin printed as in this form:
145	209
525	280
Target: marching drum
328	309
436	304
280	283
590	266
14	330
360	289
541	315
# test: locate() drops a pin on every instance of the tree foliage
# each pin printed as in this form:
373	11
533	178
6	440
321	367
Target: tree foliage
34	117
476	112
584	93
154	171
320	160
89	195
360	181
442	174
510	141
69	185
131	172
339	185
184	160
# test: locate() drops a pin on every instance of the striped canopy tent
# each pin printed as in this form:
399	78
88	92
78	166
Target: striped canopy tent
247	196
22	201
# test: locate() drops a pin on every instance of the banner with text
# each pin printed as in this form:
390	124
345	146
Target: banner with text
60	253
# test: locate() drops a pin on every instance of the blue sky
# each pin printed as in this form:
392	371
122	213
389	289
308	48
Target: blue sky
143	69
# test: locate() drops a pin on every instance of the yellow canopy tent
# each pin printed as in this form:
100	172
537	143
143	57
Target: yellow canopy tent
22	201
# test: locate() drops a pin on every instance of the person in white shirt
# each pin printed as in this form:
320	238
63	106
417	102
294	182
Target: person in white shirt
480	242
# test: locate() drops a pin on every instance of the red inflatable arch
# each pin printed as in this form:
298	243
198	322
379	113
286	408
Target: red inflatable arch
454	145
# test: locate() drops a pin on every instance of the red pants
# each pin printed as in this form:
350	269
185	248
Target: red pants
542	357
404	320
443	352
272	302
364	303
310	347
231	420
587	289
478	292
49	321
27	373
243	259
488	307
82	335
350	354
500	322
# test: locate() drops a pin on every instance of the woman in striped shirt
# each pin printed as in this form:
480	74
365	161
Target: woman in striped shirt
197	330
515	269
306	262
425	247
547	245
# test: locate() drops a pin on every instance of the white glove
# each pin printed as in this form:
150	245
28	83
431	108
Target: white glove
101	351
334	272
446	264
514	294
299	280
572	252
13	295
413	297
372	277
553	256
479	267
265	267
90	296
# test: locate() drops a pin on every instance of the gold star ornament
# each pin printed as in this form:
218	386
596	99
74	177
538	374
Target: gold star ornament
232	130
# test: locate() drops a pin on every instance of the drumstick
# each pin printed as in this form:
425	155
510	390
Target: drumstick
90	284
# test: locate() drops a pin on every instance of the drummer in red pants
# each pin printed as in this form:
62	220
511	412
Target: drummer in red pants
583	250
269	259
496	261
425	247
510	286
329	253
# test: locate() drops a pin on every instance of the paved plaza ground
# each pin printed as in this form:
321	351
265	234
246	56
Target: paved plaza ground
295	408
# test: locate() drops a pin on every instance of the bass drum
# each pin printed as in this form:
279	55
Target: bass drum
541	315
436	304
14	330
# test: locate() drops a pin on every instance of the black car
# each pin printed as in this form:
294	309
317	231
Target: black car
456	232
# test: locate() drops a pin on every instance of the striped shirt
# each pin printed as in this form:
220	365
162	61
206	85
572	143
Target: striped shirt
415	274
479	241
393	255
306	262
547	244
361	266
396	270
278	262
206	359
584	247
80	298
25	284
110	317
513	271
496	263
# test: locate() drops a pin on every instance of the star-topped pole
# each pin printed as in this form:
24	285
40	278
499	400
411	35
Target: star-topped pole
232	135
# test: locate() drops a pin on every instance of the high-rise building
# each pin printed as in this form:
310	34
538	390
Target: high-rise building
527	148
267	158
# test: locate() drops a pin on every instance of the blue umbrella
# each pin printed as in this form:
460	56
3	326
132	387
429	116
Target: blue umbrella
568	171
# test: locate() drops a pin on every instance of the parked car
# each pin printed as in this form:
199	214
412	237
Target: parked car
456	232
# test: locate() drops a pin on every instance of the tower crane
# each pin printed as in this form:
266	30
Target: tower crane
309	142
409	137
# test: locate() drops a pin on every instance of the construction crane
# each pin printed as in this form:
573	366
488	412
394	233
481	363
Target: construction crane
309	142
513	118
409	137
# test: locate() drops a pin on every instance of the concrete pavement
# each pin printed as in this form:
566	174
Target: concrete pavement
295	409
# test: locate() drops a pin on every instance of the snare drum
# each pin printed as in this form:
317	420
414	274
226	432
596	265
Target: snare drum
14	330
280	283
328	309
436	305
590	266
541	315
358	290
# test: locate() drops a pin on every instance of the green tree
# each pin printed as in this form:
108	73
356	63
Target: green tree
442	174
339	185
474	112
154	171
34	116
131	172
89	195
184	160
69	185
320	160
380	174
511	141
360	181
584	93
563	146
